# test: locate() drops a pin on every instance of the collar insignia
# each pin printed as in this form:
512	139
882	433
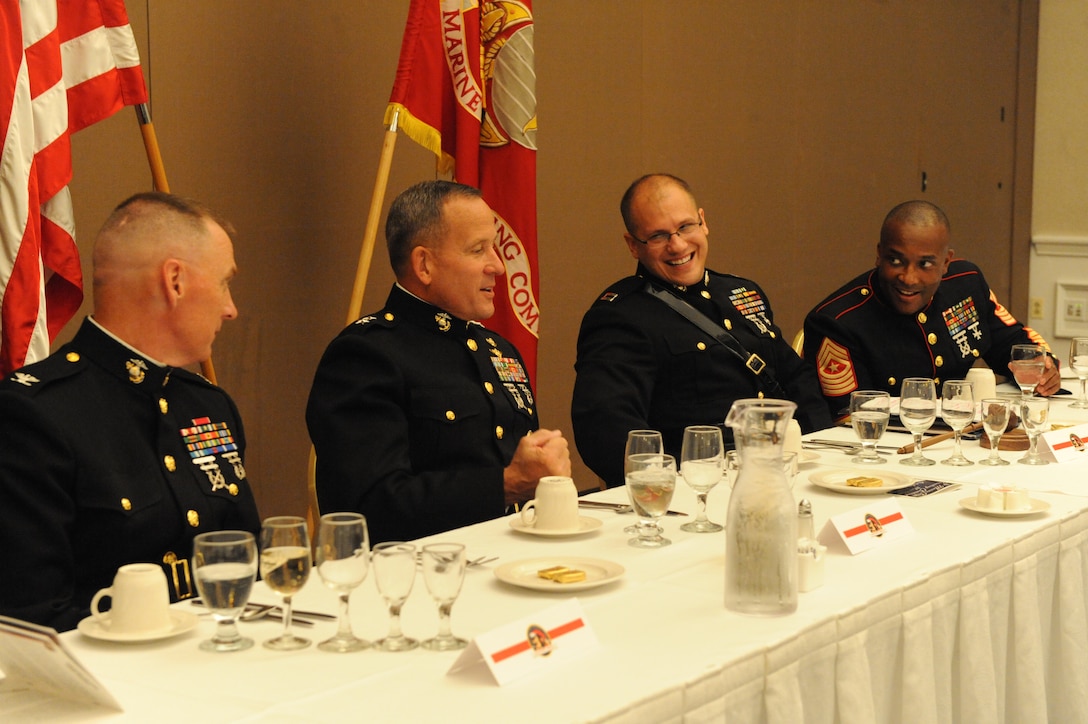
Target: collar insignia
136	369
443	321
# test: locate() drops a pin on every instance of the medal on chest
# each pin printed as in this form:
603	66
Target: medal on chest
962	322
751	305
209	442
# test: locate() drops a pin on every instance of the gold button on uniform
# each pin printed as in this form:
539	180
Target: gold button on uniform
472	345
498	431
932	338
490	388
164	405
701	345
232	489
864	292
772	335
450	416
72	356
194	518
168	461
891	381
922	317
760	394
974	353
126	504
727	324
389	316
939	361
705	294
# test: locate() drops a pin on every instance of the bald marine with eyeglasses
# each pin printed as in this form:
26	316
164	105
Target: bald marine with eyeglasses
675	344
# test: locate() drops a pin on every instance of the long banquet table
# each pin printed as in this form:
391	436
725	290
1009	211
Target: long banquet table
973	618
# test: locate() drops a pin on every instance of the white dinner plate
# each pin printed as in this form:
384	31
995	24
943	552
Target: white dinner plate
1037	506
836	480
180	622
523	573
585	525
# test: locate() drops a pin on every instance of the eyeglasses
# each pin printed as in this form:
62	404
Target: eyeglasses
686	231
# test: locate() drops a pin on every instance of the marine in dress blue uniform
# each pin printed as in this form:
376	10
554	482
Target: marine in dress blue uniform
642	366
107	458
414	413
857	340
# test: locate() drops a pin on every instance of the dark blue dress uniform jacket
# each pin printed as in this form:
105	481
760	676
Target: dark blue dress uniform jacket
643	366
859	342
414	414
108	459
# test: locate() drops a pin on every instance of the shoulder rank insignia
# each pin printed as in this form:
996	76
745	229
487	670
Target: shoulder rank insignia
136	369
835	368
365	320
609	297
24	379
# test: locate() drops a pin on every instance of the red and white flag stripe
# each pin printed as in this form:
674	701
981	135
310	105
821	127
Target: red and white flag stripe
65	65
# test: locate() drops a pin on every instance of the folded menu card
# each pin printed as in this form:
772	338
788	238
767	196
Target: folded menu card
32	657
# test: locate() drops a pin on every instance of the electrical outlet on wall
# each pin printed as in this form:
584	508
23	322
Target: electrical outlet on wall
1037	310
1071	309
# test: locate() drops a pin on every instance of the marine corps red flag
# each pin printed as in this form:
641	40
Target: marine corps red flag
64	65
466	90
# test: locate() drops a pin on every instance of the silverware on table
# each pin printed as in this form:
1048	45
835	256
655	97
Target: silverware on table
616	507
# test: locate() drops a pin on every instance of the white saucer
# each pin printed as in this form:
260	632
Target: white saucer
836	480
585	525
1037	506
523	573
180	622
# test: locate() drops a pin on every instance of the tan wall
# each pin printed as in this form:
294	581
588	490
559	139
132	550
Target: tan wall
799	124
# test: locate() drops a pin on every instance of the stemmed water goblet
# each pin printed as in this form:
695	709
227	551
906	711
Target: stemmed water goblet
225	566
343	559
651	480
1027	364
701	458
957	411
1034	416
869	411
639	442
395	572
995	418
1078	361
285	567
444	572
918	412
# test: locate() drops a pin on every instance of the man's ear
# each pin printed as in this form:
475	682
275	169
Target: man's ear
422	264
173	281
632	245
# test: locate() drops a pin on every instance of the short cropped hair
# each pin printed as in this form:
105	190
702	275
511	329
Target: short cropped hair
658	179
416	217
914	213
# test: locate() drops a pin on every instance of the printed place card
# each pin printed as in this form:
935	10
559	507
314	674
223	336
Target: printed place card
536	643
1067	443
866	527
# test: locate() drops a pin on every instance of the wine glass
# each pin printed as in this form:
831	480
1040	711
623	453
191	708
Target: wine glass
1034	415
285	567
869	416
225	566
1026	364
957	411
701	466
395	572
343	559
918	411
651	480
444	572
641	441
995	418
1078	360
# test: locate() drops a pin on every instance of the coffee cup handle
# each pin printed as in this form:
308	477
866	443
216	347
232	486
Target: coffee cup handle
528	519
100	615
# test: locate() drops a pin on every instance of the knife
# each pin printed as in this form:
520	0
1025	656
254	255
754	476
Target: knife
618	507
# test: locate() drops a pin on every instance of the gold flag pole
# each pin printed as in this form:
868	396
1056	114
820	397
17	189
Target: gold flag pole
158	179
370	233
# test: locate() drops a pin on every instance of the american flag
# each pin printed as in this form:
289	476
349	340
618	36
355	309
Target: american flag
64	65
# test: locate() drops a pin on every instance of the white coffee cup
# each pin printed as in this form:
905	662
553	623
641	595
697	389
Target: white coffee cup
140	601
555	506
983	384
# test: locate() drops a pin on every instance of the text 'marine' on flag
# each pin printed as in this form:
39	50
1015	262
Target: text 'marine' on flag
64	64
466	90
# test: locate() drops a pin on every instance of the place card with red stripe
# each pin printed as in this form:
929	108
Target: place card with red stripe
1066	443
535	643
868	526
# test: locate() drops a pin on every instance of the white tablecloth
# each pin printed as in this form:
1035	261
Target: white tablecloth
973	618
